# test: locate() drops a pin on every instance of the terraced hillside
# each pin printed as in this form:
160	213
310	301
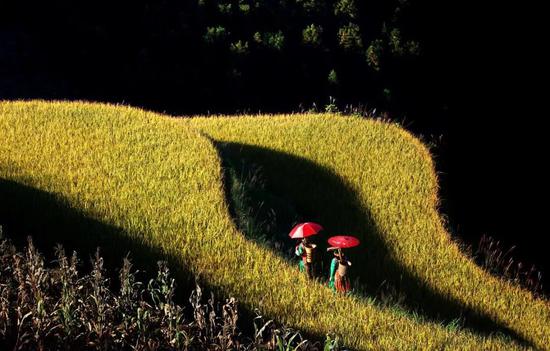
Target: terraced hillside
159	181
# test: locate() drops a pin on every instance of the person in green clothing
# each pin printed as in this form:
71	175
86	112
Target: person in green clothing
305	250
339	280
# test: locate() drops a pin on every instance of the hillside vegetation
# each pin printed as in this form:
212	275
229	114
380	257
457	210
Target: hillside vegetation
160	181
82	310
212	55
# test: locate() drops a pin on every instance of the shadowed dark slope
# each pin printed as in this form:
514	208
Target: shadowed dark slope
339	211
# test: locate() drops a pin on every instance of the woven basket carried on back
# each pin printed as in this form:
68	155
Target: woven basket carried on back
310	249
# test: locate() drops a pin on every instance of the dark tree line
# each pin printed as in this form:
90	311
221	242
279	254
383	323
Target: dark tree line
206	55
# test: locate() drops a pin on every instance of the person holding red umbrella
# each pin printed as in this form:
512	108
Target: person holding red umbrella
305	248
339	278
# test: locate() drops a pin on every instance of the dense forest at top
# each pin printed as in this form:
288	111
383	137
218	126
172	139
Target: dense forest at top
222	54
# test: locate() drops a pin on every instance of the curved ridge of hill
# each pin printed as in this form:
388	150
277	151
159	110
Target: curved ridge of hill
160	181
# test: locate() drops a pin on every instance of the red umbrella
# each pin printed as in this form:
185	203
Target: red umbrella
343	241
303	230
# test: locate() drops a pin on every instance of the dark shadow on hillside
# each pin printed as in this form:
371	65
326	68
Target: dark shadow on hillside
320	195
49	220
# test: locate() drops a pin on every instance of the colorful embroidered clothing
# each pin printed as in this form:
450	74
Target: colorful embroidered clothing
339	280
300	251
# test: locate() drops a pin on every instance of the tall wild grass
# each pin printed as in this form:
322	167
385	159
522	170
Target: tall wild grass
58	307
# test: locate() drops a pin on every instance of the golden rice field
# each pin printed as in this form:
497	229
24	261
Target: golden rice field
160	179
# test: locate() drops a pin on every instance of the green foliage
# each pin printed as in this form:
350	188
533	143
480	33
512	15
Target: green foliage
390	43
311	35
310	5
259	213
241	185
313	19
215	34
290	27
349	37
275	40
395	41
345	8
331	107
244	7
374	54
398	47
413	47
454	325
239	47
333	77
332	343
225	8
258	38
272	40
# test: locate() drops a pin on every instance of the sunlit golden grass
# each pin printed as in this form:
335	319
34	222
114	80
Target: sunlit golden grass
393	177
160	180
